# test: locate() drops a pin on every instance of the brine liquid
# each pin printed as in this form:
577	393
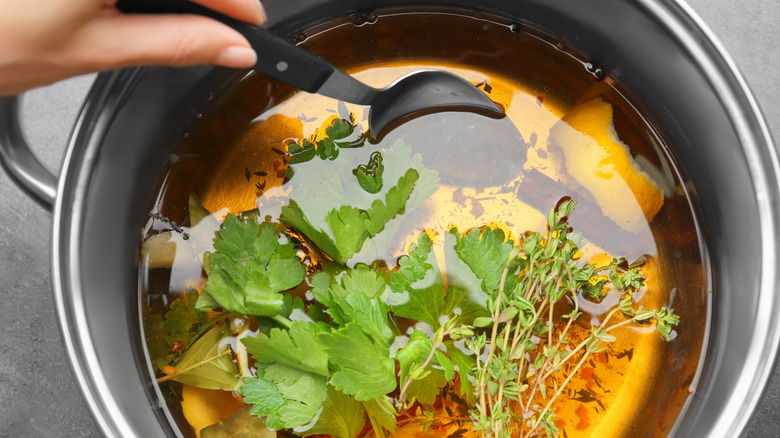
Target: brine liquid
508	171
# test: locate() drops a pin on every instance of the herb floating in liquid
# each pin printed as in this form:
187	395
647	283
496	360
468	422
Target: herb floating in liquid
484	322
369	175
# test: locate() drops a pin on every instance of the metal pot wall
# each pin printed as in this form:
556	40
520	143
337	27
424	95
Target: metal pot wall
125	131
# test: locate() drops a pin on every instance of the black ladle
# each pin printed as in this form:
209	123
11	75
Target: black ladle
413	95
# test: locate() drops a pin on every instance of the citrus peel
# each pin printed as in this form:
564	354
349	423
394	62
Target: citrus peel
602	163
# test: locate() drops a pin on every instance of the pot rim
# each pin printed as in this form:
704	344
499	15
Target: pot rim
675	16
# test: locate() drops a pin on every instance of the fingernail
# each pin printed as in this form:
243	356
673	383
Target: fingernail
262	17
237	56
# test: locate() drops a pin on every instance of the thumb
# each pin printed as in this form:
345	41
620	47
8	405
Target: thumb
118	40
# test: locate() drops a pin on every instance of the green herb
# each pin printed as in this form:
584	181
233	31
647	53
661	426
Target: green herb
341	134
482	309
363	367
336	186
287	396
183	321
512	370
296	347
354	300
251	265
369	176
432	301
351	226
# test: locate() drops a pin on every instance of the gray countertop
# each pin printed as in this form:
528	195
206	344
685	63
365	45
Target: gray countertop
38	393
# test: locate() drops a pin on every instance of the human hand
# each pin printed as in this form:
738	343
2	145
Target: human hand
44	41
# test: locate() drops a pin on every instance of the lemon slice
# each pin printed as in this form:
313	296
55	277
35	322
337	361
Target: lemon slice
204	407
599	161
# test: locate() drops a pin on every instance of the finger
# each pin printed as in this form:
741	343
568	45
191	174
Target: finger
251	11
118	40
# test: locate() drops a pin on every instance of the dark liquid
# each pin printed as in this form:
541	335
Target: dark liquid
508	171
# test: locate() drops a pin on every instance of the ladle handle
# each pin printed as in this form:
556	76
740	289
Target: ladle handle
276	57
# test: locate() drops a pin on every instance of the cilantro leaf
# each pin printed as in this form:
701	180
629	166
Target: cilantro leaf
326	149
426	298
297	347
207	364
342	416
288	396
339	129
426	386
363	368
249	269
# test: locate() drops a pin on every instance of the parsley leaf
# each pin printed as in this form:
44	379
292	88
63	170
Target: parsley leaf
363	368
426	298
369	176
183	321
351	226
289	396
355	300
297	347
249	268
485	251
365	280
413	267
334	185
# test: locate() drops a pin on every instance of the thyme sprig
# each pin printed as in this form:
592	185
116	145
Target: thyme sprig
524	343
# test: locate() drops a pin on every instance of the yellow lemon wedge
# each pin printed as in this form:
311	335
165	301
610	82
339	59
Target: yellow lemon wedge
599	161
204	407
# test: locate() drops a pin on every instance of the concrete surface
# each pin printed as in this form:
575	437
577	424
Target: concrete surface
38	394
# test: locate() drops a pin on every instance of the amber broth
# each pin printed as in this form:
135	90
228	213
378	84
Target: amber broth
492	171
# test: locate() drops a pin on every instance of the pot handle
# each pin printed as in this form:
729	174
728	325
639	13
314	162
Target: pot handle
18	160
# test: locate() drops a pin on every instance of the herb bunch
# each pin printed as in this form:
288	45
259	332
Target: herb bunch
523	343
336	355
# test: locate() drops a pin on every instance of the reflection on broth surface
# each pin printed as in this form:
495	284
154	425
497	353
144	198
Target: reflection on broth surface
337	212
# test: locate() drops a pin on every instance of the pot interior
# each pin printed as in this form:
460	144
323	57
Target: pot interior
557	57
231	152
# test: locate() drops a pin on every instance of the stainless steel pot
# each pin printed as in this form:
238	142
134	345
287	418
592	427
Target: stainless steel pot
655	47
